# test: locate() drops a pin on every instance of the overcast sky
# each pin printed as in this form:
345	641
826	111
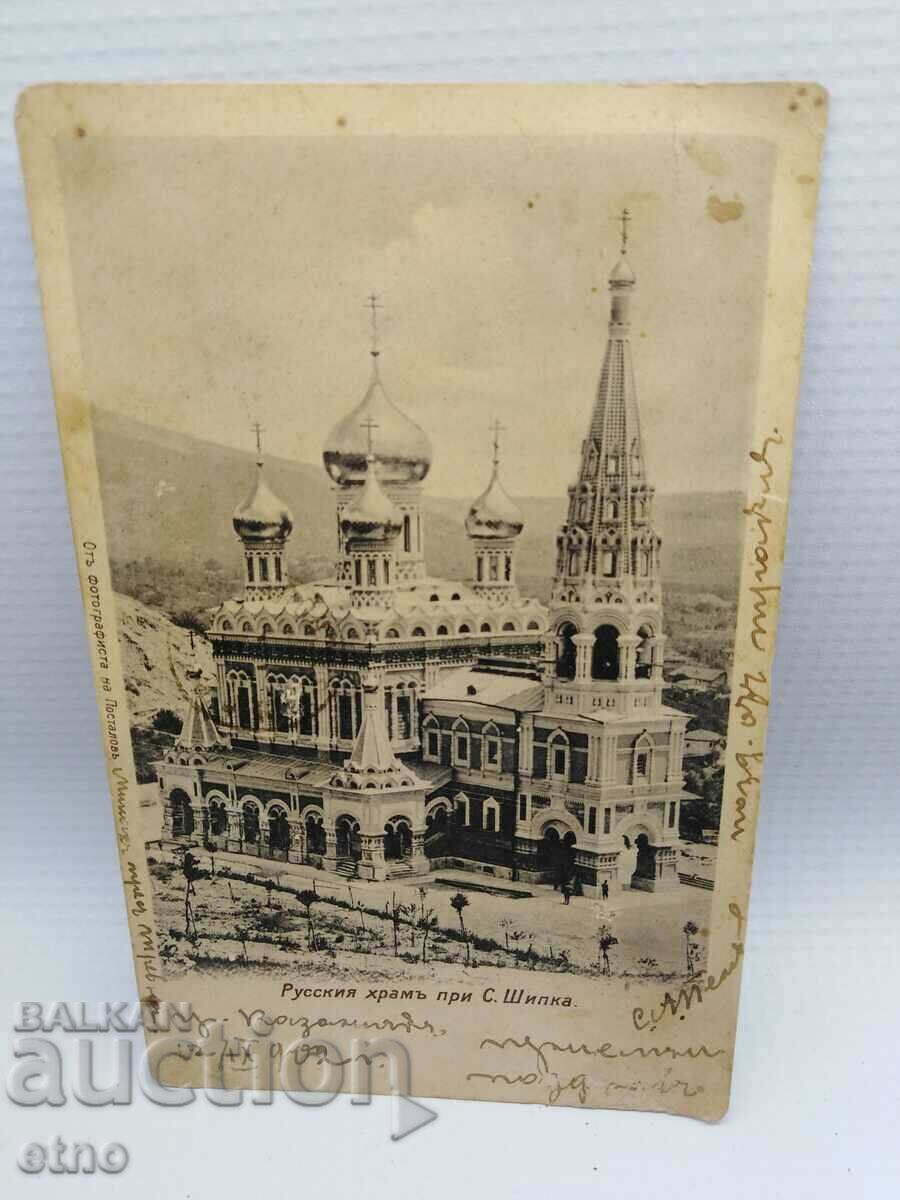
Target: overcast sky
223	281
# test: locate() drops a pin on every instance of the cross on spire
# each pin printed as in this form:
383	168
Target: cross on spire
374	306
496	428
259	431
625	218
368	425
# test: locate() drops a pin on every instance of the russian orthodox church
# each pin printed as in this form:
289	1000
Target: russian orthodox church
386	723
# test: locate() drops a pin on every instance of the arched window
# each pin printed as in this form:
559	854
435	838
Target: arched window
434	597
227	627
250	822
309	631
608	563
406	711
218	818
574	562
346	709
407	534
418	631
565	651
432	732
508	627
643	664
642	759
461	744
391	634
462	808
465	629
287	629
534	625
491	748
352	635
558	756
456	596
281	703
266	629
490	815
486	628
315	833
442	631
605	658
240	699
612	510
246	627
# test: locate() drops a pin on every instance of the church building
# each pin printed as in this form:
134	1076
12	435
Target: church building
384	723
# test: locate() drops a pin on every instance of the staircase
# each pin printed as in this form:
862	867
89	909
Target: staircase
346	867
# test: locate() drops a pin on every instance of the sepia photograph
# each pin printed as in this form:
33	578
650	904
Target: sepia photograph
432	558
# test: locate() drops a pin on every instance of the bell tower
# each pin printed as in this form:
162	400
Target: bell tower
605	646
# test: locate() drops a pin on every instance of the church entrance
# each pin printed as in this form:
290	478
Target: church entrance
556	855
645	865
182	813
346	832
397	839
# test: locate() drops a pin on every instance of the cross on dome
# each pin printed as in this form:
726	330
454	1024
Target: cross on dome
259	431
625	218
372	304
368	425
496	428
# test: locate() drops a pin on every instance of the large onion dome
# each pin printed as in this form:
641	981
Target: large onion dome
262	517
372	517
494	514
404	451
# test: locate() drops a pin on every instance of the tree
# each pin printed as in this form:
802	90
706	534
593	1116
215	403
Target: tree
459	902
269	885
166	721
516	935
606	941
191	871
308	898
427	924
396	915
210	847
689	931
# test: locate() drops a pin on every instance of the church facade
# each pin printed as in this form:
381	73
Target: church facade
384	723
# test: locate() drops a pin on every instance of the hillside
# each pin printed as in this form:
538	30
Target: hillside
168	501
155	655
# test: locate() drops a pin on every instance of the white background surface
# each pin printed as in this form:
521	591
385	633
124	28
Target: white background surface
815	1101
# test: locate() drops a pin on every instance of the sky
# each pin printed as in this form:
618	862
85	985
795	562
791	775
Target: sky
223	281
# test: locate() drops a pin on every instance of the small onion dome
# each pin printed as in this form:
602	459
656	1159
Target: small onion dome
403	453
494	514
373	517
622	274
262	517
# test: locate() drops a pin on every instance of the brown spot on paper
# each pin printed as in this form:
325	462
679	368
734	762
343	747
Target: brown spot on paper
724	210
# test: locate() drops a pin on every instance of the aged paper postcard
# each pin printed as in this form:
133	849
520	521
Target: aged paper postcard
428	451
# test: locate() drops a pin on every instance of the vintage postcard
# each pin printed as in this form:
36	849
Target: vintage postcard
428	451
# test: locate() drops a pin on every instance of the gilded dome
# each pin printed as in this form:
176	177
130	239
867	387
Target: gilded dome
494	514
403	452
262	517
372	517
